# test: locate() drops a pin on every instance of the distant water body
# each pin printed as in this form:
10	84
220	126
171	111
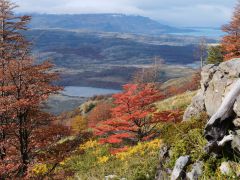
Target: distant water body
208	32
78	91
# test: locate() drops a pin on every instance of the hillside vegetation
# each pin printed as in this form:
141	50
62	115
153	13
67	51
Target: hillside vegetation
92	160
161	125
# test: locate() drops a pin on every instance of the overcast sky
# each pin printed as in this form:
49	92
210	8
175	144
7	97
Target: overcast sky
175	12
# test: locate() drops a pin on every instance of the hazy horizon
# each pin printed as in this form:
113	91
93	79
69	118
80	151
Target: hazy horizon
187	13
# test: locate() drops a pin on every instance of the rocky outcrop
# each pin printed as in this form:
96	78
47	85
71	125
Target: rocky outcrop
216	82
179	168
219	97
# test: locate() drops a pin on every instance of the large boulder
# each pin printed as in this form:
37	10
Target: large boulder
216	82
197	106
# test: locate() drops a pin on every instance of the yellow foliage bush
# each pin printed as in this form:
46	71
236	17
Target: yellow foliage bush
137	162
103	159
40	169
89	144
140	149
78	124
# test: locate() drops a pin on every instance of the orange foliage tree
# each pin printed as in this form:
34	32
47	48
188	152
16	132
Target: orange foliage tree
174	116
132	117
24	85
101	112
231	42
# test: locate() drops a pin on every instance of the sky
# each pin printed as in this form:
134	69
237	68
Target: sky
185	13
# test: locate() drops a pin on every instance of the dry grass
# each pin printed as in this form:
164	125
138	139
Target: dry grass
176	102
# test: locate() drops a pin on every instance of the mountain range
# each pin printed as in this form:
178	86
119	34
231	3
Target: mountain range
103	23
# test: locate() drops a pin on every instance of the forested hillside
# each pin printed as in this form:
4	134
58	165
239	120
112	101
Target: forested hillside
168	121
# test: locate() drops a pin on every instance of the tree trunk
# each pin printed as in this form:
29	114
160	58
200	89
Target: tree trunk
23	139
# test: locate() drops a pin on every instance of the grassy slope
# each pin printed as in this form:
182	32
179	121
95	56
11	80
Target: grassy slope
176	102
93	161
138	162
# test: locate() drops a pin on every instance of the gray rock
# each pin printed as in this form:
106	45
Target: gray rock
197	106
109	177
180	165
226	169
216	82
206	75
196	172
163	152
236	122
236	107
236	144
163	173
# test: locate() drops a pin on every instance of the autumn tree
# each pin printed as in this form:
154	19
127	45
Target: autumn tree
12	46
101	112
215	55
78	124
56	153
201	51
24	85
9	39
231	41
132	118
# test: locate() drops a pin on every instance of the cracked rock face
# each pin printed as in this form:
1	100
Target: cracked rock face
216	82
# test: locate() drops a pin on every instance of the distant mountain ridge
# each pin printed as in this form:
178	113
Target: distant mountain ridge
103	23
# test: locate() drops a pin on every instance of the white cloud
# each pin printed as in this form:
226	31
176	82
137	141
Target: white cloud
176	12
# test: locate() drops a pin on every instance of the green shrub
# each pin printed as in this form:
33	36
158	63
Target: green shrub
171	133
210	167
191	144
215	55
185	138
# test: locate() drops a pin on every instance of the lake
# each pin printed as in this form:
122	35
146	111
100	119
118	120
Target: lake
208	32
87	91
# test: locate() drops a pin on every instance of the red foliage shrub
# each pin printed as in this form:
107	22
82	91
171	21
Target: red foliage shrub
169	116
101	112
131	118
